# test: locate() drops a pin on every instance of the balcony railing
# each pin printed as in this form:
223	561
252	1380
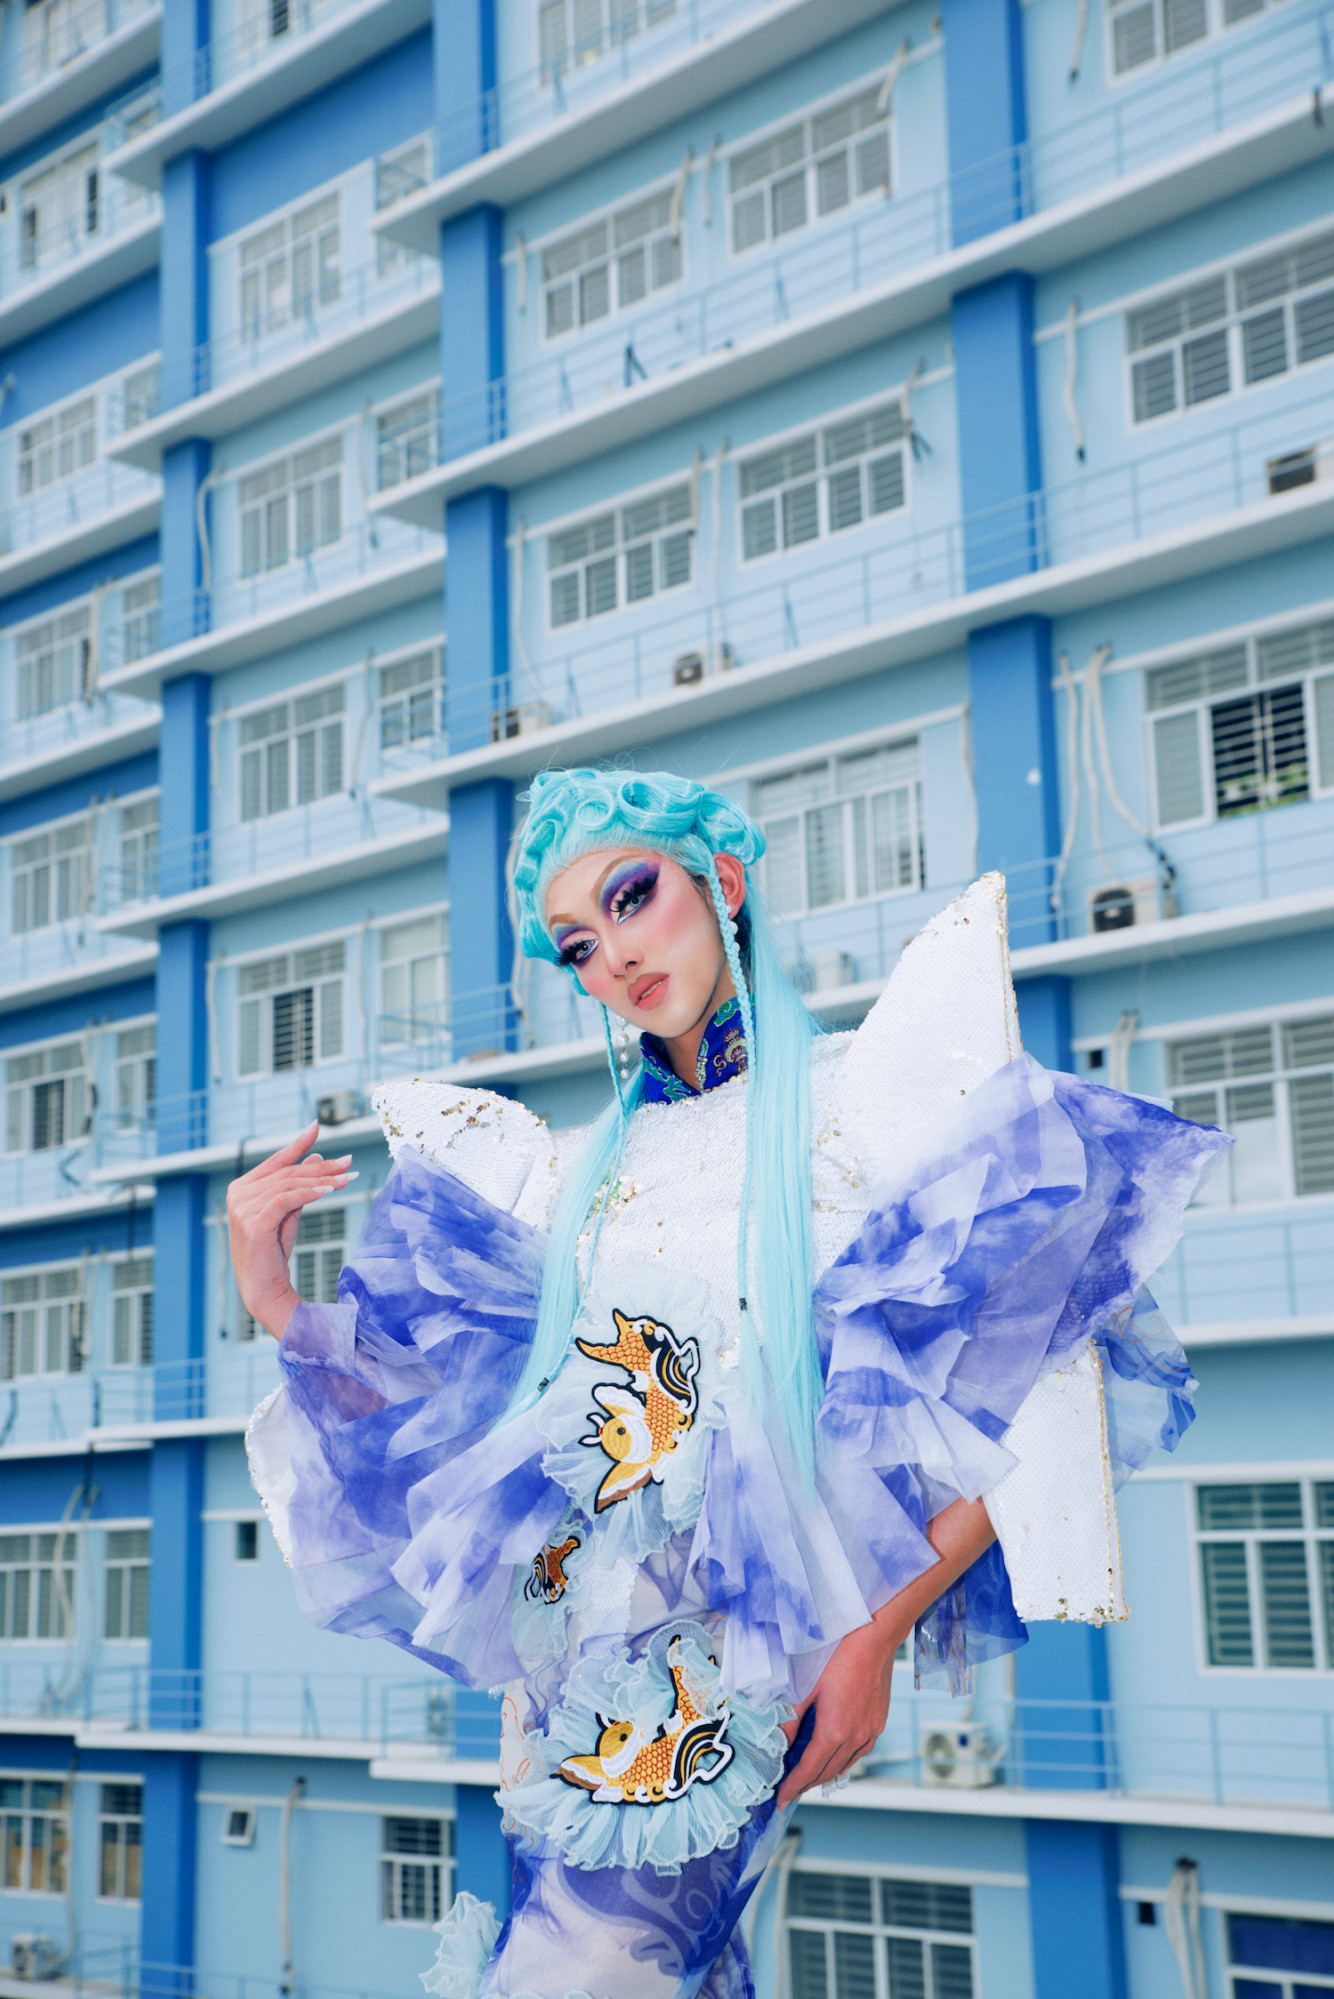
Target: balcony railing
61	509
267	34
92	227
67	33
61	729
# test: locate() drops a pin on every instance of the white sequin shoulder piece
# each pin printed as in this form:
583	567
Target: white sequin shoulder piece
494	1145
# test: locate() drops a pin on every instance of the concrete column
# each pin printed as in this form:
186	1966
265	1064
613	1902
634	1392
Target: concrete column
1015	775
472	332
1075	1910
985	114
167	1934
1000	456
186	26
467	112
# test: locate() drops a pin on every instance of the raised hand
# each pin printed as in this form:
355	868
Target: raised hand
263	1210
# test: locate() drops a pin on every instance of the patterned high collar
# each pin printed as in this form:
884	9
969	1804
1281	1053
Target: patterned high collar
722	1055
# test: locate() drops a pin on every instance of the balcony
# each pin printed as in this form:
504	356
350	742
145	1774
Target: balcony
81	736
101	507
71	61
63	267
67	958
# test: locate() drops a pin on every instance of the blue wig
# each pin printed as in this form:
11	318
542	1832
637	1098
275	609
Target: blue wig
578	812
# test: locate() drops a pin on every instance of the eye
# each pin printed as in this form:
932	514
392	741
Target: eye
633	896
579	951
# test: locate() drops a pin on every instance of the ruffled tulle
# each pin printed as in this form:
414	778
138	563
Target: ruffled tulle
416	1516
467	1938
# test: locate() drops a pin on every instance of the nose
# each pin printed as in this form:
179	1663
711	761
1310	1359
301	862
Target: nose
621	959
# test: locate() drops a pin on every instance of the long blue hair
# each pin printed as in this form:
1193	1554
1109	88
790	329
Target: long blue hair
577	812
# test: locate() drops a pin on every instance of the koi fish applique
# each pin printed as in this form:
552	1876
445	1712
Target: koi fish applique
548	1581
630	1768
639	1426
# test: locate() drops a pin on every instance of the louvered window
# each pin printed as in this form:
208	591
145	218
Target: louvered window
55	662
416	1869
1240	328
51	875
292	753
43	1323
141	618
1272	1087
1266	1554
852	1936
410	691
620	558
414	979
1268	745
132	1312
320	1238
291	267
405	439
824	483
1279	1957
292	507
572	33
57	445
291	1010
46	1097
610	264
842	828
813	168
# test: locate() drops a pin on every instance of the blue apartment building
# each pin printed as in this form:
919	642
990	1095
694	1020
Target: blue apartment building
918	420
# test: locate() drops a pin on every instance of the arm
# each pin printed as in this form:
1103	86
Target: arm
851	1696
263	1209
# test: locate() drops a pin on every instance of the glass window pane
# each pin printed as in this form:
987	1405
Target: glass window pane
810	1979
1315	326
1176	757
759	530
854	1965
1284	1588
886	482
1311	1103
1153	383
1227	1609
1184	21
788	198
824	856
845	498
907	1968
1264	344
1242	1506
1204	367
830	1897
801	515
951	1971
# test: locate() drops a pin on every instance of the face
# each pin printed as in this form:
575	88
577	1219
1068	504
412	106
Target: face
642	936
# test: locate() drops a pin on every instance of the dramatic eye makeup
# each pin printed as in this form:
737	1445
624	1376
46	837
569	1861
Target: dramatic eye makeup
627	888
579	947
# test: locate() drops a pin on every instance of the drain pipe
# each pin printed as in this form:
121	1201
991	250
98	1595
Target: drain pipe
293	1797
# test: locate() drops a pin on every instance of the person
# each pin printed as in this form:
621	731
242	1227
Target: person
678	1427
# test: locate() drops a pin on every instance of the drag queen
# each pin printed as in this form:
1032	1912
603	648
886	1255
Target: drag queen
675	1427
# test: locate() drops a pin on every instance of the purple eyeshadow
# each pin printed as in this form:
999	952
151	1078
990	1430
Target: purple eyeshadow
633	875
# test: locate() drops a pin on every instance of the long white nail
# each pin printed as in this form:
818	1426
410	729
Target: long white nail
345	1177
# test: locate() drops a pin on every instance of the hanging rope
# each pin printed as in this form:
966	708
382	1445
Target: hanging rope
1081	28
1072	376
1181	1911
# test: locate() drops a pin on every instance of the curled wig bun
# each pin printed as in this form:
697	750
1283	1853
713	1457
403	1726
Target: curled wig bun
577	812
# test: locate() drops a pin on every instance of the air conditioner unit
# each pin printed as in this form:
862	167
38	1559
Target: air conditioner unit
340	1108
1123	906
522	720
238	1825
34	1956
1300	468
962	1759
688	668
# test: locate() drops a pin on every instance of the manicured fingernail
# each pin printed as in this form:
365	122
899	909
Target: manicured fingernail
343	1178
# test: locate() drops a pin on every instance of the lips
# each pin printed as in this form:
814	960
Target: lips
645	993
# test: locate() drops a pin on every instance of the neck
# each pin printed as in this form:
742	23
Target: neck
683	1049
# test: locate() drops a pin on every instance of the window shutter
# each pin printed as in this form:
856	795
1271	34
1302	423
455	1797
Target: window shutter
1176	757
1324	729
1311	1100
250	1061
1227	1604
331	1019
279	776
306	744
331	759
252	785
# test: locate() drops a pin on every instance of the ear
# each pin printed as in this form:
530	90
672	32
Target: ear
732	875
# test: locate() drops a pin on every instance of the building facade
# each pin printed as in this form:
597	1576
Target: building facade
917	420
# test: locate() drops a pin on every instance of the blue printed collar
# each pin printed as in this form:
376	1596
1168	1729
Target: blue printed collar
722	1055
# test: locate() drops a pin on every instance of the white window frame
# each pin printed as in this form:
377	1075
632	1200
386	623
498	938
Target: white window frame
326	1012
55	1819
70	624
59	1312
878	1930
402	171
422	404
77	1097
293	760
1276	1984
124	1824
1216	23
1228	284
1265	653
291	527
134	1090
69	881
124	1605
845	802
1310	1535
56	443
620	547
140	616
1234	1092
136	833
289	264
130	1335
808	163
824	434
52	1551
408	706
618	21
438	1868
79	185
660	228
439	915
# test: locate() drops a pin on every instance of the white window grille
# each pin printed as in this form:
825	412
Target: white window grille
57	32
1272	1087
398	174
610	265
1266	1555
574	32
851	1936
292	753
291	1010
1268	742
414	979
51	875
57	445
416	1869
35	1812
132	1312
321	1235
55	662
816	167
1145	31
1245	326
43	1323
37	1586
60	209
120	1843
823	483
842	828
136	1073
125	1583
291	266
292	507
262	22
46	1097
1279	1957
140	395
141	618
620	558
409	693
138	849
405	439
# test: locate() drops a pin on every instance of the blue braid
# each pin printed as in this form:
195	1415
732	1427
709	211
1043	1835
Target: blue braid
727	929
